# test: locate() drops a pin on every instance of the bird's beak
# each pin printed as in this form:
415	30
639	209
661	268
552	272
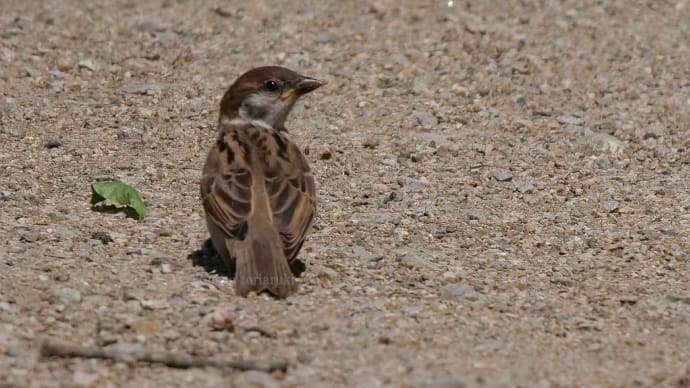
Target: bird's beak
303	86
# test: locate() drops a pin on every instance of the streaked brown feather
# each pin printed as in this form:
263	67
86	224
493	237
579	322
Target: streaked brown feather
264	160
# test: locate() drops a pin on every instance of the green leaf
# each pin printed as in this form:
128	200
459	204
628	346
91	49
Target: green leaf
115	196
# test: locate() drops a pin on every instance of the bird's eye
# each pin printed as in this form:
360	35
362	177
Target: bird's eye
271	86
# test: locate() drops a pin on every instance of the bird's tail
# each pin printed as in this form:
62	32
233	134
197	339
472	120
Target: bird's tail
261	265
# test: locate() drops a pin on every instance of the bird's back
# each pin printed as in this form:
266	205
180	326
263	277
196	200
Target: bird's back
256	182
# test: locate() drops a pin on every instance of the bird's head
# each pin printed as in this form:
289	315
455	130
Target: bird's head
265	94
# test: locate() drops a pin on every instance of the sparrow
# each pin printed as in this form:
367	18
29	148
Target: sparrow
257	189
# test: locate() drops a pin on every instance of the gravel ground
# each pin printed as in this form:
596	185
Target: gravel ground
503	192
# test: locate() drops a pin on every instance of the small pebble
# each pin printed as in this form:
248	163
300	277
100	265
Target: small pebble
222	320
104	237
86	64
83	379
66	295
29	236
525	187
154	304
610	206
459	292
50	144
370	142
569	120
502	175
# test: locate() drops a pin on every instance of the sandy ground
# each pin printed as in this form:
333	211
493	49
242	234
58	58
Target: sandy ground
503	192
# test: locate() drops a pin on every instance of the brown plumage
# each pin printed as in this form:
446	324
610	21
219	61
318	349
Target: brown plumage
257	189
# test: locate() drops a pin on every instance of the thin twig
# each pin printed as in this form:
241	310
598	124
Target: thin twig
172	360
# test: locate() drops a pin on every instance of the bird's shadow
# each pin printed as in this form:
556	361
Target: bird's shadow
212	262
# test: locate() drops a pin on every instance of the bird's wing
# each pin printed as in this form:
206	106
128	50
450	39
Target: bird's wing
291	192
226	184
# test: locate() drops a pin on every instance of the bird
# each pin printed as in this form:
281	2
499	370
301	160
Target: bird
257	189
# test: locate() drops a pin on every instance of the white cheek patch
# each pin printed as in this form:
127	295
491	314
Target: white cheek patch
258	106
266	107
